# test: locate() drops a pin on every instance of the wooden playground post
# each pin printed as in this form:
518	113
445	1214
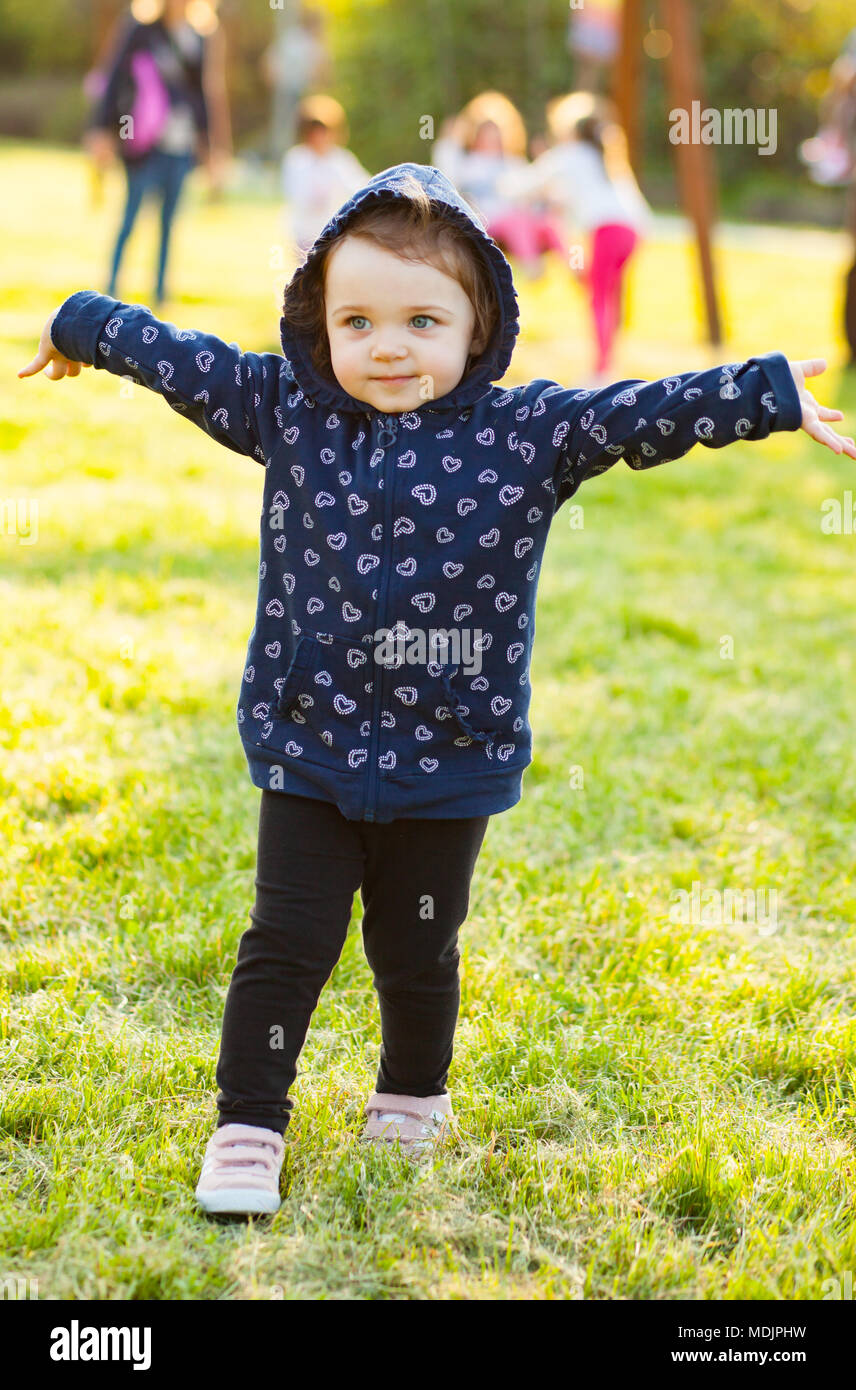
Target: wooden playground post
694	162
696	173
627	83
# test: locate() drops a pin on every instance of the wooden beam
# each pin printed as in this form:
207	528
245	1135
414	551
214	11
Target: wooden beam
696	171
627	80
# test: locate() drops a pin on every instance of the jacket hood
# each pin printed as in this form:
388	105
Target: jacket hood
493	362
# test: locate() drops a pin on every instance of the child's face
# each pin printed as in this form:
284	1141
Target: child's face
319	138
488	138
396	319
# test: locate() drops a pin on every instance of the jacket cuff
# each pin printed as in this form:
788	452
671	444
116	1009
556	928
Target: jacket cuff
78	324
775	367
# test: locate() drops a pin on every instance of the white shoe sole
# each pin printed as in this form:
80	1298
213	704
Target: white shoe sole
239	1201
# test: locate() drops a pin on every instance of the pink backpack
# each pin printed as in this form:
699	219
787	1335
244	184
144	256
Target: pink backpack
151	105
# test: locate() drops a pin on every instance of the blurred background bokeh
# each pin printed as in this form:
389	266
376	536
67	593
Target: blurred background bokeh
391	60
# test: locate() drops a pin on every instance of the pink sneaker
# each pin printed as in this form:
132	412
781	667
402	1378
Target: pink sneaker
420	1123
240	1170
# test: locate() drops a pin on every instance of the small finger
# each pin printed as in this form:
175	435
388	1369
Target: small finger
827	413
32	367
831	438
821	434
847	445
814	366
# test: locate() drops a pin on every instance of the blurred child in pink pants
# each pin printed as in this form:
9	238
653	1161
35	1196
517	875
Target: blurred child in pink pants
586	172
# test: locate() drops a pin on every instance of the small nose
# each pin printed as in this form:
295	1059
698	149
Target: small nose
386	351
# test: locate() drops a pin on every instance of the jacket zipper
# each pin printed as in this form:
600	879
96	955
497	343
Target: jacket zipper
388	425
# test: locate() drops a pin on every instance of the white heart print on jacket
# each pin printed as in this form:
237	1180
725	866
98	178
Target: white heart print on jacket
427	521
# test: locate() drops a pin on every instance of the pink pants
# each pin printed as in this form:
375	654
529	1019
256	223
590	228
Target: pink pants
526	234
612	245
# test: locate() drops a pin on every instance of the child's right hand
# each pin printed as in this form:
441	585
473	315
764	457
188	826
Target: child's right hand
50	358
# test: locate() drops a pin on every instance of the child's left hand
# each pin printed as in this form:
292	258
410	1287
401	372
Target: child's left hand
813	414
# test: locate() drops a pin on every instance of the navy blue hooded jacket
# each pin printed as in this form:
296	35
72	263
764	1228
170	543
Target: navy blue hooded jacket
432	519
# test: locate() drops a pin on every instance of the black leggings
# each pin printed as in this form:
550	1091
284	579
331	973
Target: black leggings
414	879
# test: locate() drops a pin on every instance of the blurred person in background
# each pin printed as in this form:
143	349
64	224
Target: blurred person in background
493	145
830	157
594	36
587	171
318	172
447	150
294	64
160	106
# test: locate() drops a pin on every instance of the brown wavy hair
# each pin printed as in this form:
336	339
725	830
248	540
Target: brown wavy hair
413	227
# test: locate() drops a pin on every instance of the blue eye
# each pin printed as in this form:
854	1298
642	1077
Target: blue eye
356	316
424	316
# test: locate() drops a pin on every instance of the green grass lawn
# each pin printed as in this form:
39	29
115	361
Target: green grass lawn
648	1108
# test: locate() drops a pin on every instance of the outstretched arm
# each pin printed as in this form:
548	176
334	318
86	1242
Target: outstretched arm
234	396
647	423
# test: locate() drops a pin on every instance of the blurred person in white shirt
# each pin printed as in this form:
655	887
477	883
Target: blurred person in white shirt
318	173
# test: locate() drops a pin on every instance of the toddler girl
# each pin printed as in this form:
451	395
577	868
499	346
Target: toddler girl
383	707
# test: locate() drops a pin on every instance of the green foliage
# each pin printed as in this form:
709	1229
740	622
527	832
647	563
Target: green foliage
427	58
38	39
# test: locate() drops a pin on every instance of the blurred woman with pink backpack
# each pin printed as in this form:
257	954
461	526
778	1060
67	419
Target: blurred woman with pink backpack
151	109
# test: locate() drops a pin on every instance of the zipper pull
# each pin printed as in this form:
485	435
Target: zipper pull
388	432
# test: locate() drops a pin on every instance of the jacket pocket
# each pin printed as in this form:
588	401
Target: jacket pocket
470	727
293	683
325	697
488	724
